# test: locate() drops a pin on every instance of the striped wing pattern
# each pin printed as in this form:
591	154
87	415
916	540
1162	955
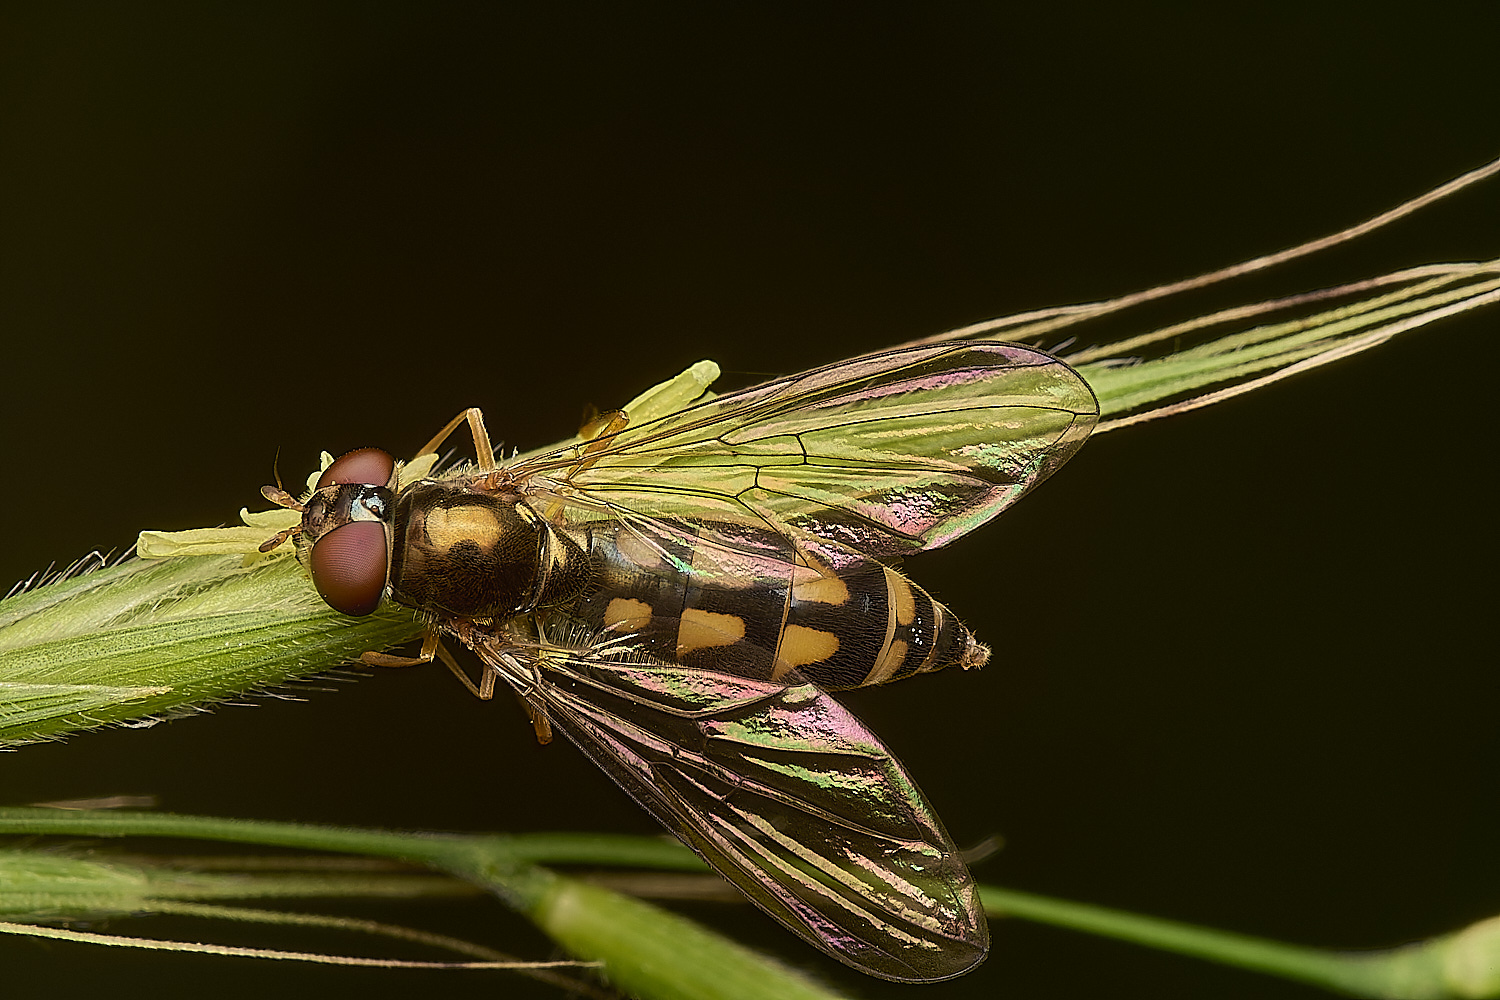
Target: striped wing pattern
776	785
886	455
781	790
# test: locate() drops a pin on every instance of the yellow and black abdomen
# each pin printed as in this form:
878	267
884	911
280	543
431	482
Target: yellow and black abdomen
765	608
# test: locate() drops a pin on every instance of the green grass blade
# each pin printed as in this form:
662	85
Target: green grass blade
140	640
1245	360
648	951
645	950
144	639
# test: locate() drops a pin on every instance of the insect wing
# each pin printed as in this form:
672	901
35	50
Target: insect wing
886	455
786	794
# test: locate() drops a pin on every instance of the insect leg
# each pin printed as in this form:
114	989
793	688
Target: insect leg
602	425
537	713
431	642
536	709
433	649
598	432
483	452
484	690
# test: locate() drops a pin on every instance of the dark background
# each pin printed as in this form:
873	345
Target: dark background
1243	671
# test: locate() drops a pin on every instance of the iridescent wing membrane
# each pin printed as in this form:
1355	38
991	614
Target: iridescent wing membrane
887	454
785	793
771	781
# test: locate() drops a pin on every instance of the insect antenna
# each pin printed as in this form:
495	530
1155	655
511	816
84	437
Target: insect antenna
281	498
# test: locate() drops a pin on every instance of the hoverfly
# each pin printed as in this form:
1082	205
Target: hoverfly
678	595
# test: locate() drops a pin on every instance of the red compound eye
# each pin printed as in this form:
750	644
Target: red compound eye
369	466
348	565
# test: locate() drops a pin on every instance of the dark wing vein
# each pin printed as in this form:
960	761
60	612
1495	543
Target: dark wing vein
887	454
786	794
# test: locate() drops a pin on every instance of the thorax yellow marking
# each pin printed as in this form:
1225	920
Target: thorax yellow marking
448	526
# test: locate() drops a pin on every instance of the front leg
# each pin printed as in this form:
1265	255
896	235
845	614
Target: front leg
433	648
484	454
